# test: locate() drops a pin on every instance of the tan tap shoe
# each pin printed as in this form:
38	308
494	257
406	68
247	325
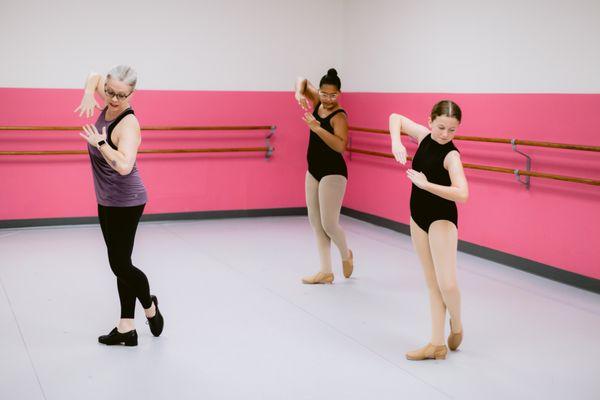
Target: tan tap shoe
428	352
454	339
319	277
348	265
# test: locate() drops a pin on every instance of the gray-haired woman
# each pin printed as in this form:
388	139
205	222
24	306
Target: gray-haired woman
113	143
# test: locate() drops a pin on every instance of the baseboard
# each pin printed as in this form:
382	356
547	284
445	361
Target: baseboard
265	212
523	264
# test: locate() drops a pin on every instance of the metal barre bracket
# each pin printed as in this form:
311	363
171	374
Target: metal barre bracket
270	149
526	179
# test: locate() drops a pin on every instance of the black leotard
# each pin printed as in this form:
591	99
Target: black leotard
426	207
322	159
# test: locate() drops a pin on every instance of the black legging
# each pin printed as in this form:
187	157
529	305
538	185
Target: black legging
119	225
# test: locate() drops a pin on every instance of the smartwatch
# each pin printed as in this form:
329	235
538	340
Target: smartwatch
100	143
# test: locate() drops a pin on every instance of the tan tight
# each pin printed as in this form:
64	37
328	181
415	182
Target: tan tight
324	203
437	252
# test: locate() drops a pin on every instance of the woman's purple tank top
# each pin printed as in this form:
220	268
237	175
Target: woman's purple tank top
113	189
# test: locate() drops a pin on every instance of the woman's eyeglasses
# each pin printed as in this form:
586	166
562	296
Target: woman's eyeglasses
120	96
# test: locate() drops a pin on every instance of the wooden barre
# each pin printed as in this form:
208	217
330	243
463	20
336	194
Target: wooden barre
352	128
144	128
498	140
143	151
495	169
374	153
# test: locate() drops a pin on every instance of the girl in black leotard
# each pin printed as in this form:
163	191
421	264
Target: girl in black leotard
438	181
327	174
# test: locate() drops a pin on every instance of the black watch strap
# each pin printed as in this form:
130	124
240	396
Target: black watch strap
100	143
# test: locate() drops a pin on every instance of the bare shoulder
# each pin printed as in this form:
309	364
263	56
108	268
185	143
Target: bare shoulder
340	121
452	159
340	116
131	120
128	127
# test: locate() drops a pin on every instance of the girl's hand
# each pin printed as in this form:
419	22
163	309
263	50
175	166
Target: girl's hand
418	178
311	121
302	101
399	152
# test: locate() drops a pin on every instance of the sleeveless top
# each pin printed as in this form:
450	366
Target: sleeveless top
426	207
322	159
113	189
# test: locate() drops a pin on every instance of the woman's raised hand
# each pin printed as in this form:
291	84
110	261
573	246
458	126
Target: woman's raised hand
87	106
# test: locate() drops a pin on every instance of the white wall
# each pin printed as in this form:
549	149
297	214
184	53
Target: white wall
175	44
478	46
510	46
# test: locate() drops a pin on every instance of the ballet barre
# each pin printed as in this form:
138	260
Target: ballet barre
267	149
142	151
526	174
533	143
516	172
147	128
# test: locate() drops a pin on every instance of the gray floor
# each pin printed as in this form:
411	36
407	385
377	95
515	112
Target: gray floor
239	325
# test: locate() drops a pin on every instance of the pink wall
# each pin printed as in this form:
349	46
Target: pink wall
554	223
61	186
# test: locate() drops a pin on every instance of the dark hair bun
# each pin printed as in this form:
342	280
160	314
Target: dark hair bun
331	79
